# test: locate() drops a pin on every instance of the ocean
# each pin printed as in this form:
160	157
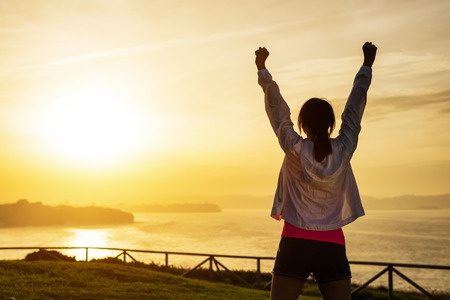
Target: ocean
395	236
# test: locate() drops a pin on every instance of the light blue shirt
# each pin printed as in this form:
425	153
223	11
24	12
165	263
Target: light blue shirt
316	195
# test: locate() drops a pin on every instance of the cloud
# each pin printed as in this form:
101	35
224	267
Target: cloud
175	43
434	104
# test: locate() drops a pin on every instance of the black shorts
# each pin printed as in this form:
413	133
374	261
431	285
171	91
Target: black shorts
299	258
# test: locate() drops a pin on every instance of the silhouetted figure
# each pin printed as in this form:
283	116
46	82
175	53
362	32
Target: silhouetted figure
317	192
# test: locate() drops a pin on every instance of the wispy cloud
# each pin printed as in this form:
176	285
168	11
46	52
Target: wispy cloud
435	105
146	47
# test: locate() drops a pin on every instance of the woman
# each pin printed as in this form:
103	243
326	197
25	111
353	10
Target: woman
317	192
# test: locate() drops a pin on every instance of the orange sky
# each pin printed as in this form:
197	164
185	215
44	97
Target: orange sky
106	102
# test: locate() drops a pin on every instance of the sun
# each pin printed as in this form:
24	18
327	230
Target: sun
93	123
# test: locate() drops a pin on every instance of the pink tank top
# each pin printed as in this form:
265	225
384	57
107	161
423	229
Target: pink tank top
332	236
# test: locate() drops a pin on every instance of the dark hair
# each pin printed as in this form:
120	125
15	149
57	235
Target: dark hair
316	117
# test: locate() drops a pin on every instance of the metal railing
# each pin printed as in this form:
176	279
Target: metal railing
390	269
212	260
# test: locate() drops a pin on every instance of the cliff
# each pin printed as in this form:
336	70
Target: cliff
25	213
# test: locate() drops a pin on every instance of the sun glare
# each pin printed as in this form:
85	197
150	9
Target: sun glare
88	238
92	124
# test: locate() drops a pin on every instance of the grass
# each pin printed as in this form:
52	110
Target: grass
81	280
99	280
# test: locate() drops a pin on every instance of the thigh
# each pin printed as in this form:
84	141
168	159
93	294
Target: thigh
285	287
294	258
336	290
330	262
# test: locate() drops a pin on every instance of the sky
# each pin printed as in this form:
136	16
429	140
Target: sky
112	102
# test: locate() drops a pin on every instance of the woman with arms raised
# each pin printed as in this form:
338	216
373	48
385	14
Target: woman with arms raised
316	192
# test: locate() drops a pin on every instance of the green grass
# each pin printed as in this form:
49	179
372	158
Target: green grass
99	280
81	280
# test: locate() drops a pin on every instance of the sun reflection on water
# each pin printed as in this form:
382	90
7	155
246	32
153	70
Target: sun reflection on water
88	238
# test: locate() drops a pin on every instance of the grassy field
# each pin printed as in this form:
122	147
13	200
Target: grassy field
43	280
68	280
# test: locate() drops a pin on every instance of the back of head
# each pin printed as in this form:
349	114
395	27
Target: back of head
317	119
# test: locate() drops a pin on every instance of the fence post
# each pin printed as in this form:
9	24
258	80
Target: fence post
87	254
391	282
211	275
258	271
167	259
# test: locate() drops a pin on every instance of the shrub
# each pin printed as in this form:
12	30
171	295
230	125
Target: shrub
43	254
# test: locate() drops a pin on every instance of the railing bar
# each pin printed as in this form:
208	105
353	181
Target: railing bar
402	265
217	265
196	267
414	284
370	281
129	255
234	274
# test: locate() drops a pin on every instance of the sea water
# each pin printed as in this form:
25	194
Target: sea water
392	236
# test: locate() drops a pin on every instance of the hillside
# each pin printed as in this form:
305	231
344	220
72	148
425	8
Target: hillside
408	202
178	208
90	280
25	213
398	202
79	280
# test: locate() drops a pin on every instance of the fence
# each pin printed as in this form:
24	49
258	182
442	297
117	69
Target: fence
212	261
391	268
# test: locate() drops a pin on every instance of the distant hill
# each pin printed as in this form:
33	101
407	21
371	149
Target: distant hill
399	202
25	213
244	201
179	208
408	202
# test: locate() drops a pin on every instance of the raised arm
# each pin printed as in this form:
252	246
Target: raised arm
356	102
276	107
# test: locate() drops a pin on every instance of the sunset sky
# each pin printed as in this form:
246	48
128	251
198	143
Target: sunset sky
109	101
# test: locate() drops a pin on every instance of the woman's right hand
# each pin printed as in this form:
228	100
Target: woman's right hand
261	56
370	51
